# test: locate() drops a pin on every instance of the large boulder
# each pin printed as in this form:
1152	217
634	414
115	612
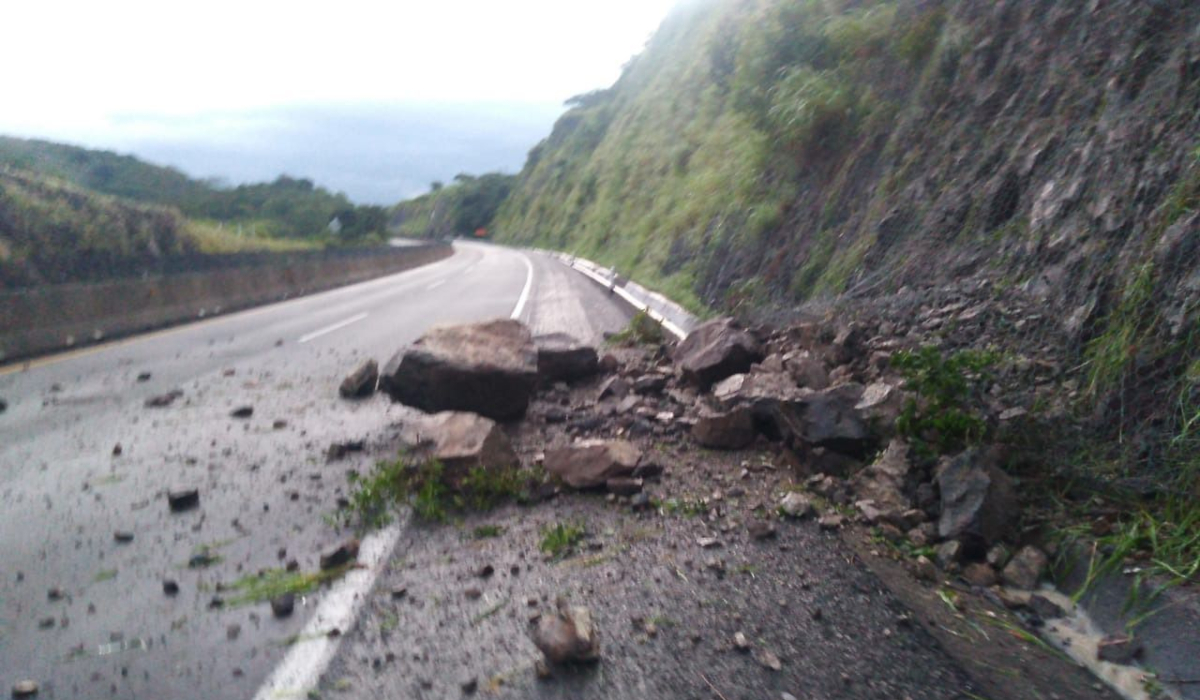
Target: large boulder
724	430
487	368
591	463
464	441
716	350
829	419
561	358
979	503
885	481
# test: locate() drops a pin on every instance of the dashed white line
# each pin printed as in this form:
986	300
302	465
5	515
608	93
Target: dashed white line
435	285
524	292
329	329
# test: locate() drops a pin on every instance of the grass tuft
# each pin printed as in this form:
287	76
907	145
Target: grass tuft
560	539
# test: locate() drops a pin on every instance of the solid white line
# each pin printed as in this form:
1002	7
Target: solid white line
307	659
337	326
435	285
524	292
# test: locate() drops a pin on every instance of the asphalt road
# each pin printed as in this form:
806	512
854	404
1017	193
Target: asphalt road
265	487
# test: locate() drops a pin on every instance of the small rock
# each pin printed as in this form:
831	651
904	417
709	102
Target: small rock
624	486
117	450
485	571
708	542
24	689
144	377
948	554
831	521
242	412
998	556
283	605
1045	608
163	400
338	450
232	632
768	659
3	405
740	642
55	593
1026	568
399	592
123	536
796	505
761	530
180	500
1118	649
473	593
341	555
469	686
279	424
979	574
361	382
567	635
170	587
46	623
640	502
925	569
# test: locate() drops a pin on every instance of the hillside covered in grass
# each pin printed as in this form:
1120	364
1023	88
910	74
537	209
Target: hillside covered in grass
774	156
286	208
465	207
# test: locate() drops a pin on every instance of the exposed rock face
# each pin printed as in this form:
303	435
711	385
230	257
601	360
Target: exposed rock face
487	368
568	635
361	382
463	441
591	463
979	505
561	358
716	350
730	430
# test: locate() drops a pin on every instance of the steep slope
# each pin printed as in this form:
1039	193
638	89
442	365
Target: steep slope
763	153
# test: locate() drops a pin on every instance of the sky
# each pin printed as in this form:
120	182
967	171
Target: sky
247	89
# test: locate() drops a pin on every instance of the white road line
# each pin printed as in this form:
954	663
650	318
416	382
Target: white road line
307	659
337	326
524	292
435	285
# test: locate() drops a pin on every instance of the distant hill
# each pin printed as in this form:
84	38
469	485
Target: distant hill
286	208
465	207
52	232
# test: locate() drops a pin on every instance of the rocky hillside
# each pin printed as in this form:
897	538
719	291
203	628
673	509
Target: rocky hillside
766	153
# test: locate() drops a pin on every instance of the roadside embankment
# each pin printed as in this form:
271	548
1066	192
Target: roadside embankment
44	319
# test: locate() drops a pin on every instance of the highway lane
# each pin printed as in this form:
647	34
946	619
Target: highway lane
264	490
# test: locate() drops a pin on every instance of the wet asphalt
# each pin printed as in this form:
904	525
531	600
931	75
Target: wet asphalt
83	612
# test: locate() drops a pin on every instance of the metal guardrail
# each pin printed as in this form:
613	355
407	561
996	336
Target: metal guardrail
673	317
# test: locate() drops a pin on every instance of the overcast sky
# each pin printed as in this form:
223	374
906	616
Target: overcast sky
159	78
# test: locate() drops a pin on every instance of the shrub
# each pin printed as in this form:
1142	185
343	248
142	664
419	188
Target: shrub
940	419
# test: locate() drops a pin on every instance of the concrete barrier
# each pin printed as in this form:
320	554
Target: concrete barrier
43	319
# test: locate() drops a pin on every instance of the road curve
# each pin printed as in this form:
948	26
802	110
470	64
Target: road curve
84	614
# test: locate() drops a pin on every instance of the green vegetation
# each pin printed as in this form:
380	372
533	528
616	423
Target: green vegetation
467	207
483	532
941	419
430	490
72	215
272	583
559	540
286	208
642	330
